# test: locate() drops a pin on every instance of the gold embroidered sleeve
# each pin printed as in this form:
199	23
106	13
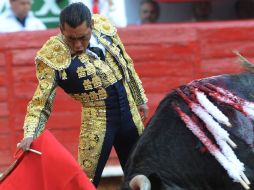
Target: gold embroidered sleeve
136	87
39	108
135	83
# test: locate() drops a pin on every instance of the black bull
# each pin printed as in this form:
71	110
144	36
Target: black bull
170	155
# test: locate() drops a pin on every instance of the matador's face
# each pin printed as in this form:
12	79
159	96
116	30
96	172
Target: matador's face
77	38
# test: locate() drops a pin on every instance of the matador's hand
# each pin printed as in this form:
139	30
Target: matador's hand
143	111
25	143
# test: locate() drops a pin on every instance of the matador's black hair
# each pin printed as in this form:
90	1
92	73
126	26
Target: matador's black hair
75	14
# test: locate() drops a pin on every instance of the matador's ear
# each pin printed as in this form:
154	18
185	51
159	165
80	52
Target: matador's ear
92	23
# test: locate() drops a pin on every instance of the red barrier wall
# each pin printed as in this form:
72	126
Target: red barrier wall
165	56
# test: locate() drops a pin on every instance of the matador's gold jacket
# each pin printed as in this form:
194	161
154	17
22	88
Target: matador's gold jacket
53	61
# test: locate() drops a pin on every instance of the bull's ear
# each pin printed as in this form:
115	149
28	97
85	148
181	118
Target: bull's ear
155	180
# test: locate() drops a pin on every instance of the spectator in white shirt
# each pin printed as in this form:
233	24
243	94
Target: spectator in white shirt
19	18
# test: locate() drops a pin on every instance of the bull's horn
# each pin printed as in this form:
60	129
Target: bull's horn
140	182
245	62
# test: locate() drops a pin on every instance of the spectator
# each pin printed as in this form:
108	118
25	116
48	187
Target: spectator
149	11
244	9
202	10
19	18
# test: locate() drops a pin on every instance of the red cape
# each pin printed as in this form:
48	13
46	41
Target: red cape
55	169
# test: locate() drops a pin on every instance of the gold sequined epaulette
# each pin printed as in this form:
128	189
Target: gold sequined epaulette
104	25
55	54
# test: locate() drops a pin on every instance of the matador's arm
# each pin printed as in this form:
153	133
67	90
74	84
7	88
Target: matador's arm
39	108
135	83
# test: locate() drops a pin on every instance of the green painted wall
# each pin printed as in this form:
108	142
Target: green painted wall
50	15
46	10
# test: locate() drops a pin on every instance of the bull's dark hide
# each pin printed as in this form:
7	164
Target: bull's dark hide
169	154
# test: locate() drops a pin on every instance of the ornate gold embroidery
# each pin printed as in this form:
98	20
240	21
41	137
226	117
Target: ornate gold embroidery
116	40
96	81
137	90
83	58
98	63
115	50
87	163
92	135
64	75
103	25
101	38
111	78
101	73
134	111
122	60
39	108
91	96
99	103
102	94
81	71
90	69
101	113
112	64
95	112
55	54
85	97
87	84
57	47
